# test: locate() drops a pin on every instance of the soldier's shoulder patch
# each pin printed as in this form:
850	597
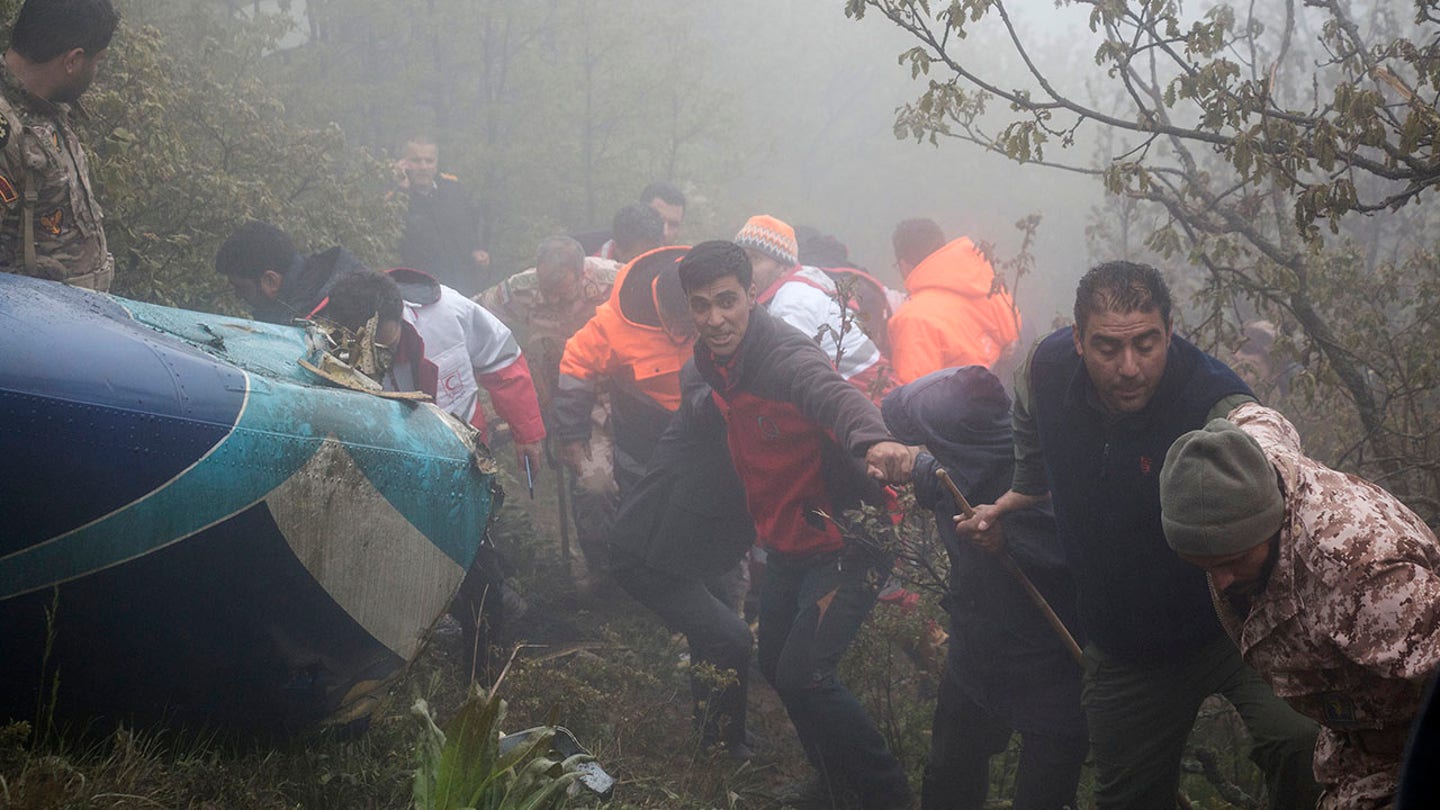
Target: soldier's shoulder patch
53	221
1339	709
8	194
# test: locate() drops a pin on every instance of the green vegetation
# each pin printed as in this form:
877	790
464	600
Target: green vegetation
603	668
467	766
1268	188
1277	158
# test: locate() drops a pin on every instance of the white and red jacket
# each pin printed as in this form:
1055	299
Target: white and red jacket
806	298
471	349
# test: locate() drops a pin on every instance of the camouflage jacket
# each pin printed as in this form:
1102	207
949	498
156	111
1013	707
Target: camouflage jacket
1347	628
43	168
542	328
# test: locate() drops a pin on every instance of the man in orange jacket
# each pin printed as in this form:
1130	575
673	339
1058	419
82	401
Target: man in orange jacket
959	312
632	350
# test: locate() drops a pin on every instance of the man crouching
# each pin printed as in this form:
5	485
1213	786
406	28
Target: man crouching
1328	583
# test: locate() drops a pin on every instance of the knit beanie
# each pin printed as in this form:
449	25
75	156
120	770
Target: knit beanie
1218	493
771	237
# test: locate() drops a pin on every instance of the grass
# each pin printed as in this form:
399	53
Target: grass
601	666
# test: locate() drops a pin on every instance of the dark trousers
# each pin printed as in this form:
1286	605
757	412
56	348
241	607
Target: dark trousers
1141	714
810	610
477	606
706	611
965	736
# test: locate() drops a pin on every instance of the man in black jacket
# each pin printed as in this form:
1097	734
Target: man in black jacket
806	445
1006	669
271	276
678	548
444	229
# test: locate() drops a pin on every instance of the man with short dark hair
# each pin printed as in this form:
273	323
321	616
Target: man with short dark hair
668	203
637	229
469	347
369	305
958	313
51	225
444	228
806	445
1329	584
914	240
267	272
1097	406
373	306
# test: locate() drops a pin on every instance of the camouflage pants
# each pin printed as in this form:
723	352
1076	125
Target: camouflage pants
594	495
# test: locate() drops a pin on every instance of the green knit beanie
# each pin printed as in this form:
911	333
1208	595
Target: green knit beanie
1218	493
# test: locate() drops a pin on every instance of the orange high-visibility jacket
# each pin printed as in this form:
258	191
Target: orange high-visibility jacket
957	314
630	350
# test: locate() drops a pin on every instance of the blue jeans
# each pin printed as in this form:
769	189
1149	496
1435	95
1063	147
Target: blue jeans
810	610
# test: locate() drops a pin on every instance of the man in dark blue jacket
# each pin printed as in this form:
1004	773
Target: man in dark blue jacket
1006	669
276	280
1097	406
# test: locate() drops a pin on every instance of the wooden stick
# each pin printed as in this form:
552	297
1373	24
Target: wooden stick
562	507
1009	563
955	493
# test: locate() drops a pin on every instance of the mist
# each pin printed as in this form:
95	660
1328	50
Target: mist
785	108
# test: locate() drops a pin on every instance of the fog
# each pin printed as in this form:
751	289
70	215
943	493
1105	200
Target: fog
818	119
788	108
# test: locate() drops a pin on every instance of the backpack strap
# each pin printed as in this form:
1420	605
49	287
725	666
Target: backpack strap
29	196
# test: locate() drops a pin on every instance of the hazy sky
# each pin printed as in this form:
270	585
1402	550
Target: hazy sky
824	108
816	95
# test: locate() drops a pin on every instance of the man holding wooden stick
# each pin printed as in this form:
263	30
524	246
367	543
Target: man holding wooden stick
1006	668
1097	406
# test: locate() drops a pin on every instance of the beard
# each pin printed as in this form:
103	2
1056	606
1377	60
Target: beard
1241	595
71	93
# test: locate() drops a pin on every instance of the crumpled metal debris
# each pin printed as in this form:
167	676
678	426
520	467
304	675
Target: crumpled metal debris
351	359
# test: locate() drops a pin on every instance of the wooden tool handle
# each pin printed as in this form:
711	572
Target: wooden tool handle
955	493
1009	563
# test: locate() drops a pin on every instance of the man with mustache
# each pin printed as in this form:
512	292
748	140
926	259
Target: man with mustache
1328	583
1097	405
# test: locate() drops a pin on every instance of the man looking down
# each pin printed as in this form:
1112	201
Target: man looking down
1328	583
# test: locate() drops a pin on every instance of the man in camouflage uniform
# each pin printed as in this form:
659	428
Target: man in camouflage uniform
543	307
51	225
1328	583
